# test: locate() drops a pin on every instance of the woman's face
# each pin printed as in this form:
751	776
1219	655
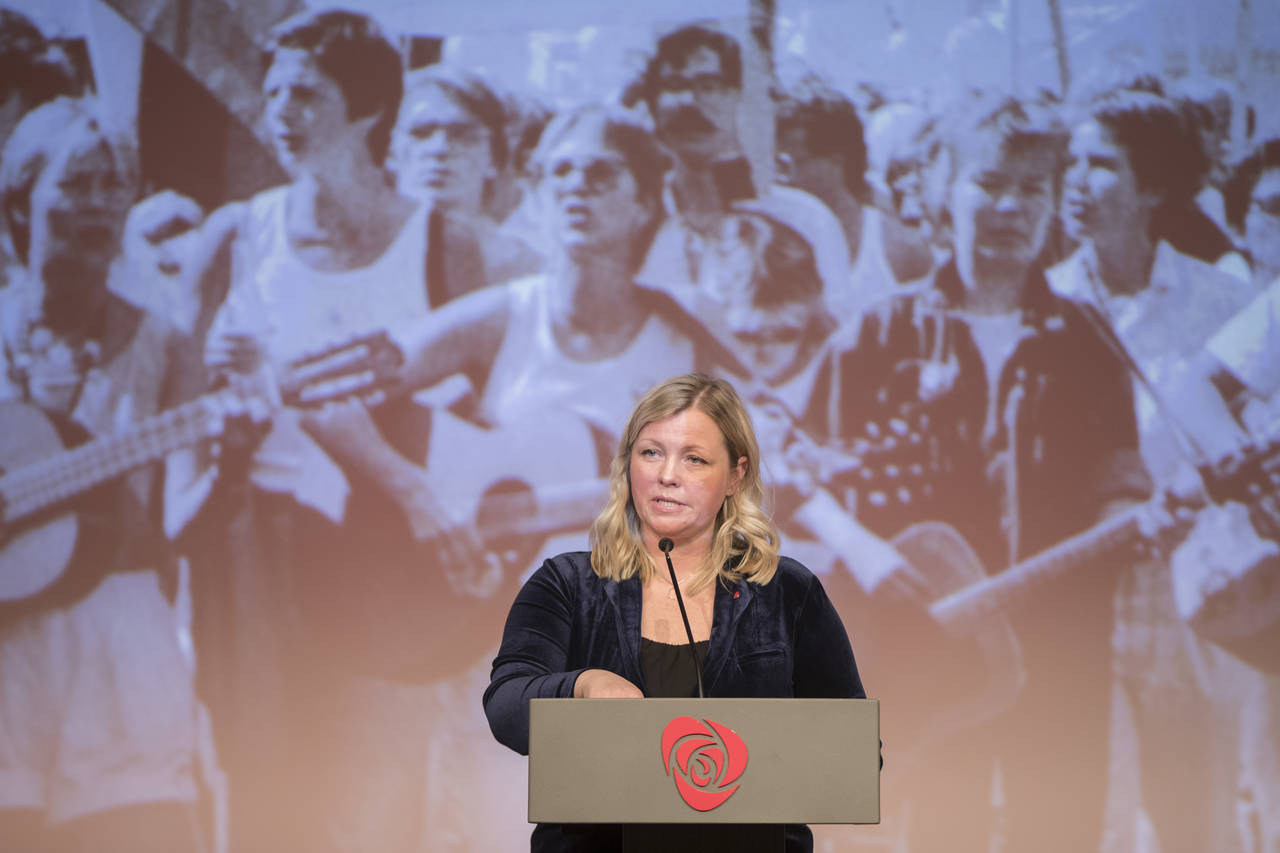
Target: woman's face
680	475
306	115
78	208
696	107
771	339
821	175
1262	226
1100	193
1001	203
589	197
442	152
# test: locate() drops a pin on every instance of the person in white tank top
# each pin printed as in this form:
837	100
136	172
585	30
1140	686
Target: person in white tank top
326	562
584	339
333	254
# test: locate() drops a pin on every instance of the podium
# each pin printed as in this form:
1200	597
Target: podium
704	773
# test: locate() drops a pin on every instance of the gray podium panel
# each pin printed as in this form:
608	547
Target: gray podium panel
704	761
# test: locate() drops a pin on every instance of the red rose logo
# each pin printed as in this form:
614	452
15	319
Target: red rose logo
706	760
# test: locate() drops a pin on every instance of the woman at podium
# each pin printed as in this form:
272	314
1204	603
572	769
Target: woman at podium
685	484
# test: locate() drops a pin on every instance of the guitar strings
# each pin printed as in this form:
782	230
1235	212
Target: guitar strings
53	479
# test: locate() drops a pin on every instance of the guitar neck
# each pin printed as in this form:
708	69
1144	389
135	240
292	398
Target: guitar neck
55	479
993	594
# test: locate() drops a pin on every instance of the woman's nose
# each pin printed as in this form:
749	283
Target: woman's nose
573	181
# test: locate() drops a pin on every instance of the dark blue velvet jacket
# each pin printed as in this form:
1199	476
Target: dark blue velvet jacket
780	639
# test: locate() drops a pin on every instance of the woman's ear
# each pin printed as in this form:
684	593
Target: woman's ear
735	479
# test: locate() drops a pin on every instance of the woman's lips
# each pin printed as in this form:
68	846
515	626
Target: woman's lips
1075	208
290	142
1004	238
436	178
576	215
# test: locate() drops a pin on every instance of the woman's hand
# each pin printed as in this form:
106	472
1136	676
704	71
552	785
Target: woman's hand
602	684
346	431
234	352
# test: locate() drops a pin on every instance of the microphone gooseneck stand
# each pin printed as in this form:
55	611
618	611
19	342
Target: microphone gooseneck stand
665	545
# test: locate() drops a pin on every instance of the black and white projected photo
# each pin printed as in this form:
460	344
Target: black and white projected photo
320	326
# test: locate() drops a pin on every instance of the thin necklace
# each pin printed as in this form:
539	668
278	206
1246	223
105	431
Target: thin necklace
666	581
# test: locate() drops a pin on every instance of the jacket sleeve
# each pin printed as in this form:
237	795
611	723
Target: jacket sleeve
824	661
533	659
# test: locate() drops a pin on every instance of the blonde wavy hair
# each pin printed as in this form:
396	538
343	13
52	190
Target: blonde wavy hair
745	543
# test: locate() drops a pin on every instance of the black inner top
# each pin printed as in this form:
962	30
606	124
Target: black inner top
668	668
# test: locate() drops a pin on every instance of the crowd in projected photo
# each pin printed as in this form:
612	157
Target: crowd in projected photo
305	365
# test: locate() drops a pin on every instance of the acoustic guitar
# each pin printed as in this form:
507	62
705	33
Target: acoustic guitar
40	477
411	610
962	639
968	604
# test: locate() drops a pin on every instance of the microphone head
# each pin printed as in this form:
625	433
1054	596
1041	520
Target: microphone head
665	545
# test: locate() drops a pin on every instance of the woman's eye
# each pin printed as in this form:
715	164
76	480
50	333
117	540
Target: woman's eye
697	460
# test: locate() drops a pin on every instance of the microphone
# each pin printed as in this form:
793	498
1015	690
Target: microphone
665	545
